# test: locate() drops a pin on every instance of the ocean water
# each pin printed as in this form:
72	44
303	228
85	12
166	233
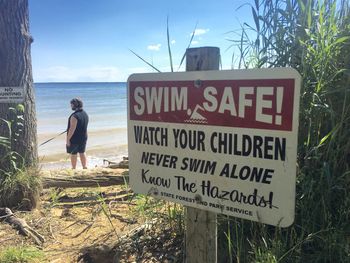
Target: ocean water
105	104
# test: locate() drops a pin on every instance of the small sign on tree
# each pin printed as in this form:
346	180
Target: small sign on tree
222	141
11	94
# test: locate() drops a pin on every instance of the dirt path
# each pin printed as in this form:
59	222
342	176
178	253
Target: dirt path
73	228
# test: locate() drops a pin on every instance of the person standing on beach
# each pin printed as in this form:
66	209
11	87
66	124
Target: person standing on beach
77	133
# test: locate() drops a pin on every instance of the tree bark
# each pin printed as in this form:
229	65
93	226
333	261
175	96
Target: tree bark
16	71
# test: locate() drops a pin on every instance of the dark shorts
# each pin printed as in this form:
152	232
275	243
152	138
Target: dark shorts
76	148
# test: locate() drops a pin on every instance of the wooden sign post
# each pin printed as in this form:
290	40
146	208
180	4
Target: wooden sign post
201	225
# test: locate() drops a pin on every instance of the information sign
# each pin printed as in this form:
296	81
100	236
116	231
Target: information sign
223	141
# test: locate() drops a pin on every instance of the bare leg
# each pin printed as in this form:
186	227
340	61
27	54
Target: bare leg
73	160
83	160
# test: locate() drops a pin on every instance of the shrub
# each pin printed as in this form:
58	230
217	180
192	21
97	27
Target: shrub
19	185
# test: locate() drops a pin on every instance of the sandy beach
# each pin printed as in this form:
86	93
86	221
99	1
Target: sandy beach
108	145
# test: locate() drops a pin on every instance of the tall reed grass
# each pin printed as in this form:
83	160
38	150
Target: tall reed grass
314	38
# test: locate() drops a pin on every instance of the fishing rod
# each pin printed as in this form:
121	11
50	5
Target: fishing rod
52	138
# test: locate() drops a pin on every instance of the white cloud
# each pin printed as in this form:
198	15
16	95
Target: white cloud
195	42
200	31
173	42
88	74
154	47
67	74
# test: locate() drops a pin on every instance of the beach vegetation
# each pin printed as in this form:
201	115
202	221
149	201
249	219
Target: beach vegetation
24	254
314	38
11	129
149	208
19	185
105	209
146	206
20	189
54	197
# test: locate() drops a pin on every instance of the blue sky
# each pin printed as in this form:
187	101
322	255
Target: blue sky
89	40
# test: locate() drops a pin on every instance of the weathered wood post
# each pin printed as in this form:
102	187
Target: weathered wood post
201	226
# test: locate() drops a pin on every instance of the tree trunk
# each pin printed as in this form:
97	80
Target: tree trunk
16	71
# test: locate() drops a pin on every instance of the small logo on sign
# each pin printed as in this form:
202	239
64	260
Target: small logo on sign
196	115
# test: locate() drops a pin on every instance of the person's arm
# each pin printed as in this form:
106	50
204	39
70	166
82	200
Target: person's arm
72	126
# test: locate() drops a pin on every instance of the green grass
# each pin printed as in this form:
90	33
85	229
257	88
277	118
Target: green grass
21	255
149	208
20	188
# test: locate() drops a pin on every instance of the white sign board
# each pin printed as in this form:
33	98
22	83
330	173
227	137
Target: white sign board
11	94
223	141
